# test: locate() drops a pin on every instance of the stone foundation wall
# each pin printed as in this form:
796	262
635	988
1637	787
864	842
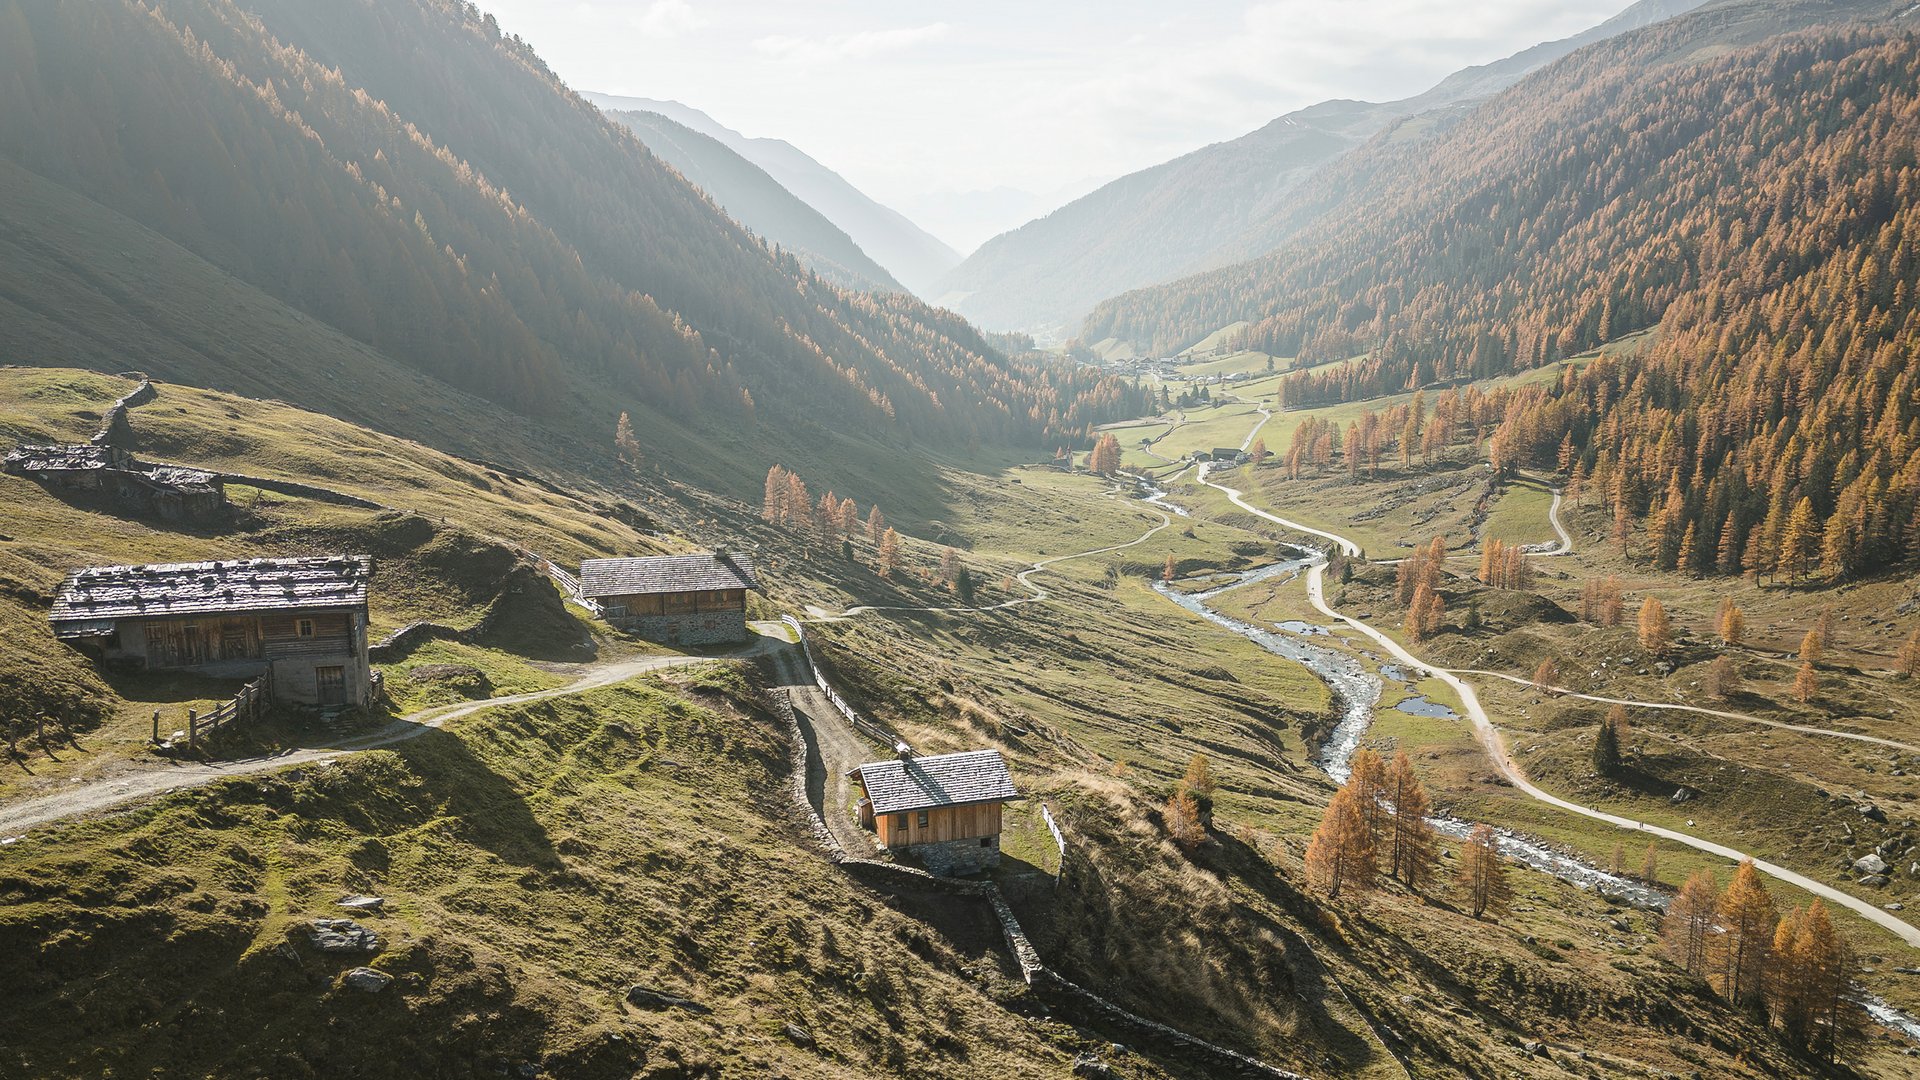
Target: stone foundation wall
949	858
702	628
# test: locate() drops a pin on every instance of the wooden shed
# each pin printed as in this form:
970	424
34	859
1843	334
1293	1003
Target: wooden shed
679	599
302	620
944	810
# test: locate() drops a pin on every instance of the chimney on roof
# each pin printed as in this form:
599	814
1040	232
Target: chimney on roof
902	751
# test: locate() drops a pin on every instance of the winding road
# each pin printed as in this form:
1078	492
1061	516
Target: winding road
106	793
1495	746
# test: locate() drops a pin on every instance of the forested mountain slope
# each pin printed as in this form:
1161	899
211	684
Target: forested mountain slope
910	253
424	186
757	201
1217	205
1760	206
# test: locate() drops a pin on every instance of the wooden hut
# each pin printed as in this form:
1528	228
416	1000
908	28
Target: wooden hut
942	810
678	599
303	621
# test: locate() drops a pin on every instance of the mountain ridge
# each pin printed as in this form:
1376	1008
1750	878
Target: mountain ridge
913	256
1211	206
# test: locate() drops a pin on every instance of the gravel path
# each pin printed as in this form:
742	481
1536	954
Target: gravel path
145	782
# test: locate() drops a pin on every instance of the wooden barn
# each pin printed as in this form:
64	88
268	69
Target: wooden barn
303	621
943	811
678	599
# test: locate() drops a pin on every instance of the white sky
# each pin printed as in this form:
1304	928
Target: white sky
919	103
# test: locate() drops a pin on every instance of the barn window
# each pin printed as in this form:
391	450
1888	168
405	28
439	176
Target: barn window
303	627
899	821
986	841
923	819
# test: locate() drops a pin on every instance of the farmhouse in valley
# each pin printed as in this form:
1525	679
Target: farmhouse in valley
943	811
302	621
679	599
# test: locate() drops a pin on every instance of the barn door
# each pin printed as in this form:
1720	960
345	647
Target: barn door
331	684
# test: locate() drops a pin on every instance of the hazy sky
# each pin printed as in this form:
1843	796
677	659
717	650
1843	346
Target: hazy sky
915	101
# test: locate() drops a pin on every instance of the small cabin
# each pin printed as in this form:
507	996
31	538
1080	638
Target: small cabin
302	621
676	599
943	811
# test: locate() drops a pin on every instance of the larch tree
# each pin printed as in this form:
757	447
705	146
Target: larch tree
625	445
1483	873
1732	623
1341	855
1909	660
1198	783
1811	651
1806	683
1182	815
949	566
1656	632
1367	776
889	553
1746	918
1547	675
1650	865
1810	984
876	525
1258	453
1166	574
1723	678
1413	852
1688	926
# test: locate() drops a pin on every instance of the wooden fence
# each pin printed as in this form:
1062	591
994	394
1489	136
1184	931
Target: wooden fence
860	723
246	707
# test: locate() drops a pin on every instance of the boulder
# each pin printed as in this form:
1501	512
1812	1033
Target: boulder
367	979
363	903
646	997
1870	864
342	936
1092	1067
797	1035
1873	813
1875	881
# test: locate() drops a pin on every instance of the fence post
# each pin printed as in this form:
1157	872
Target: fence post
193	729
156	726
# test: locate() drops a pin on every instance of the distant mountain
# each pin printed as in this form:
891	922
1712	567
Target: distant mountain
756	200
420	183
1217	205
913	256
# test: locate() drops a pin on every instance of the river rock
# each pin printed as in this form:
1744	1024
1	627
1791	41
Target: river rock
342	936
367	979
1870	864
646	997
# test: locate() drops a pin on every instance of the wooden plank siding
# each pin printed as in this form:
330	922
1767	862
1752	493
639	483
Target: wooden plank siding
328	633
208	640
680	603
943	823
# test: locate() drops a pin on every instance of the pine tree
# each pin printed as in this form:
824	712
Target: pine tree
1341	855
1656	633
1688	926
1606	748
1413	851
963	586
1483	874
1746	918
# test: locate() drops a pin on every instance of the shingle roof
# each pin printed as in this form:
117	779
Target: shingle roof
945	780
72	457
666	574
109	592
